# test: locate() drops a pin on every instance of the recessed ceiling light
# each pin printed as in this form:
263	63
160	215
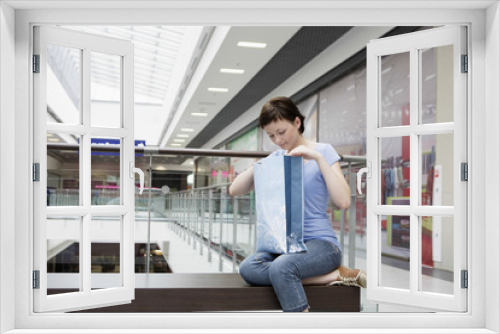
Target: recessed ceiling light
187	129
254	45
175	144
199	114
387	70
179	140
218	90
232	70
182	135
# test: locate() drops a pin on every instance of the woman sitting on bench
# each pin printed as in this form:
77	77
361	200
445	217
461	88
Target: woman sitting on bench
323	178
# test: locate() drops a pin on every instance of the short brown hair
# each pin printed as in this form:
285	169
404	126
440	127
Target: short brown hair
280	108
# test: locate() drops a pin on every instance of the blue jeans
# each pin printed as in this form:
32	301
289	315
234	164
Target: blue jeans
285	272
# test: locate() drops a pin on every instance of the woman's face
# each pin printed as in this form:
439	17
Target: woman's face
284	133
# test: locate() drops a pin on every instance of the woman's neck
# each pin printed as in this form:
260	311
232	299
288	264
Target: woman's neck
302	141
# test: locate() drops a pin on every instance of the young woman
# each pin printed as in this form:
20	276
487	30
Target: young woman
323	178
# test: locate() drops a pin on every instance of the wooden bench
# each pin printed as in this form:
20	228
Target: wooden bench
224	292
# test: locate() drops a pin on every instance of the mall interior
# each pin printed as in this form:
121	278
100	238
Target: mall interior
201	88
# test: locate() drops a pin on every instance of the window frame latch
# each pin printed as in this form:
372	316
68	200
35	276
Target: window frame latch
465	64
36	63
465	279
36	172
464	171
36	279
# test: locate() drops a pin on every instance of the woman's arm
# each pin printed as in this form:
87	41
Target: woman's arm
243	183
338	189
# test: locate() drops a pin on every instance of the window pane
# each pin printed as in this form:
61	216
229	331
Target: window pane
342	113
105	90
63	171
437	254
395	90
395	170
105	236
437	169
105	171
63	254
63	84
395	252
437	85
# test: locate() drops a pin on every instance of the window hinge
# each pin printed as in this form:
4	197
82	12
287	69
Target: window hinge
465	279
36	279
36	63
36	172
464	168
465	64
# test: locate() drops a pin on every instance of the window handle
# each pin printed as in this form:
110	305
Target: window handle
139	171
360	173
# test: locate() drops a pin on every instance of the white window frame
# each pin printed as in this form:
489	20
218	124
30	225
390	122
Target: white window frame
412	44
125	291
483	103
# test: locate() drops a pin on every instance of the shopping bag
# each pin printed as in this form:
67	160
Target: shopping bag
279	198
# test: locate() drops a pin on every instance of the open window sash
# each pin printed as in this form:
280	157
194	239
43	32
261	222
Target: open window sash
414	291
66	214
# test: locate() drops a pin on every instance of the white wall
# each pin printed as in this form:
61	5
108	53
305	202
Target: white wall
7	184
492	161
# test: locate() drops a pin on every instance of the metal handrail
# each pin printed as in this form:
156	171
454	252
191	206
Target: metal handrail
153	150
164	151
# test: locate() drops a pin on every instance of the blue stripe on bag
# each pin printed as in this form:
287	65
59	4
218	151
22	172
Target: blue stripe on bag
296	206
288	198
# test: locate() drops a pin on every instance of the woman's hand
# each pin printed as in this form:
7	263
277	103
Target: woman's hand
305	152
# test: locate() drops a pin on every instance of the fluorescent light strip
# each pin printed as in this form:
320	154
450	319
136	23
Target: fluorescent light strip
218	90
181	135
232	70
175	145
255	45
187	130
199	114
179	140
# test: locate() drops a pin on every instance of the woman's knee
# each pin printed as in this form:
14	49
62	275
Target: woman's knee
281	268
244	269
254	269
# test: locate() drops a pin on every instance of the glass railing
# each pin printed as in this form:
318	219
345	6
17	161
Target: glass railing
212	219
185	221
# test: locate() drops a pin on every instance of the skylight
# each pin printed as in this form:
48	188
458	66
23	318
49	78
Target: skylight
162	56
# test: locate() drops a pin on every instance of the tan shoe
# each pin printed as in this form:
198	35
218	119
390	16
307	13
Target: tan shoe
350	277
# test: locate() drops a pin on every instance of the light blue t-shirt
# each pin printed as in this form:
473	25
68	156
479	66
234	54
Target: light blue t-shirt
316	222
